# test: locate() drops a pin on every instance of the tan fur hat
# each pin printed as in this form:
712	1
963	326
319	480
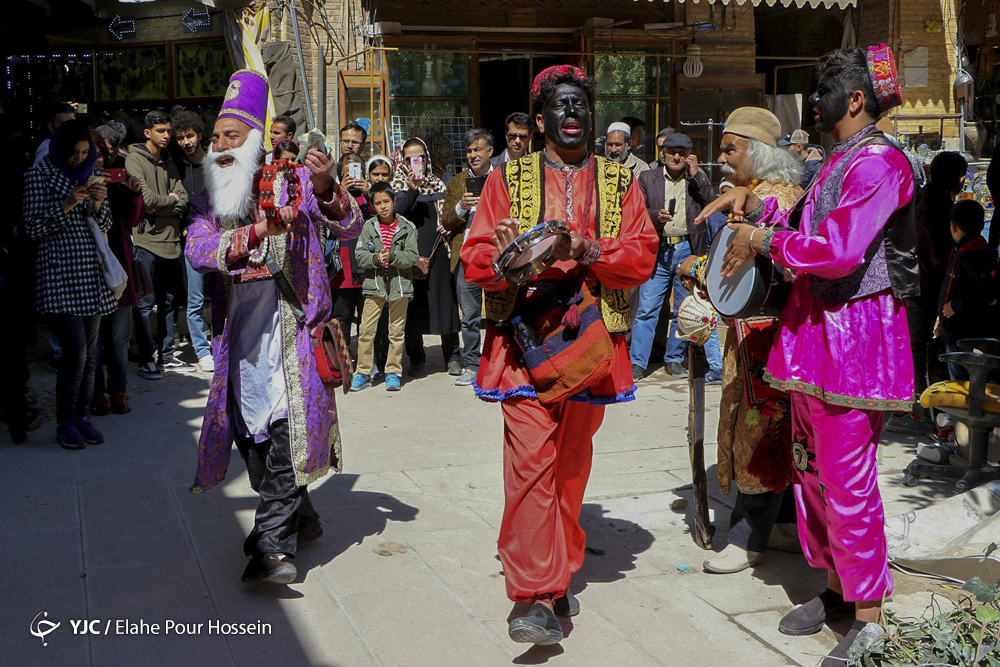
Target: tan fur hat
754	123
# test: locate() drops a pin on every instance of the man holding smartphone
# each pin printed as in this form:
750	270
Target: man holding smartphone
460	202
675	195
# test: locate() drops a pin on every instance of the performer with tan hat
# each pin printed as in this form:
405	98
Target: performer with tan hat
755	446
843	347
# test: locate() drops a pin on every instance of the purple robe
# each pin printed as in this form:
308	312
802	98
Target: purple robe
219	248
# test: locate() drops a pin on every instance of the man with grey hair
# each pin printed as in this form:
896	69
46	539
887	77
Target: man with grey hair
617	148
752	417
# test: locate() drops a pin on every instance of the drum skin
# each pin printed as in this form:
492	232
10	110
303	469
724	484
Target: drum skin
757	290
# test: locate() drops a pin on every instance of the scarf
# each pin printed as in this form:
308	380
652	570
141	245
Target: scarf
430	184
79	175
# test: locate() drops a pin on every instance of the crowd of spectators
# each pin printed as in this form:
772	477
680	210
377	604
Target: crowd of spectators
401	280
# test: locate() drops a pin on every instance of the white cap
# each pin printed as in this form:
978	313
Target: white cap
619	127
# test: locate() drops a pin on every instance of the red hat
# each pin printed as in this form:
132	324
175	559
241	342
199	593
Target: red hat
554	73
882	69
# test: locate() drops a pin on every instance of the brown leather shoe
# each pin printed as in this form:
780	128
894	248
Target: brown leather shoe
269	568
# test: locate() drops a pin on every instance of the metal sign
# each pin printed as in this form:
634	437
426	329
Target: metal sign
121	28
365	123
196	20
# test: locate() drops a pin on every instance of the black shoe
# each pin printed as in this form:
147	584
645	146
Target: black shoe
269	568
567	605
310	533
416	370
808	619
838	656
676	370
637	372
540	626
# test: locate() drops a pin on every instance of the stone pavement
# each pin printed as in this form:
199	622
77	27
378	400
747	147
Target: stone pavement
407	572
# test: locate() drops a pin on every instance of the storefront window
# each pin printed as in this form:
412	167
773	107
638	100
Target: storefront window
429	98
631	85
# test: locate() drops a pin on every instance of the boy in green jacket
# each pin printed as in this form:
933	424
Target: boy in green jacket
387	251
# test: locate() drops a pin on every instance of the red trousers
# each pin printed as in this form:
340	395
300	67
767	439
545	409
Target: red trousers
546	463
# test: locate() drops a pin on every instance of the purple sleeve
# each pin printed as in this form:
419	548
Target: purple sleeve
346	227
876	184
209	248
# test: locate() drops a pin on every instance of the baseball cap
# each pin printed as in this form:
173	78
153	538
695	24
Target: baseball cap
796	137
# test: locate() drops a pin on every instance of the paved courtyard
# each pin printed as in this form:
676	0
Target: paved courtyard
109	540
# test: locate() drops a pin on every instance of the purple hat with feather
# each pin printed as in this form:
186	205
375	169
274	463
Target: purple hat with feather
246	98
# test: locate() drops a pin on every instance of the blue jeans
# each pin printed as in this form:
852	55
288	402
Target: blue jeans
652	295
75	381
470	299
957	372
196	311
112	350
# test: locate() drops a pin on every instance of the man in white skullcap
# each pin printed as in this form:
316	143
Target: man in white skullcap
616	148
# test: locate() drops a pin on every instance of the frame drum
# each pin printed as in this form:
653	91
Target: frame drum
757	290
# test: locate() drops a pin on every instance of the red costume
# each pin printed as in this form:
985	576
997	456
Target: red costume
548	447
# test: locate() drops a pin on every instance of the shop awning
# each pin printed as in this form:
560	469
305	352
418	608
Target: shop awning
843	4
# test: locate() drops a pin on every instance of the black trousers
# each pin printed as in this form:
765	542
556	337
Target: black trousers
414	341
754	516
284	507
921	311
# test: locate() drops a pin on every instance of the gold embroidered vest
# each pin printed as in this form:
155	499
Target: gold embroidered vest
524	178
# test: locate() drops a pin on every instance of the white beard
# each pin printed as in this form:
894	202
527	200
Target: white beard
621	158
230	189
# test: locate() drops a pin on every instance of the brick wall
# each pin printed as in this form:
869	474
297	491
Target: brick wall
902	25
736	47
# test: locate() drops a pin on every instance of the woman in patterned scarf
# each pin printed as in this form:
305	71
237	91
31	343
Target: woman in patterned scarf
434	307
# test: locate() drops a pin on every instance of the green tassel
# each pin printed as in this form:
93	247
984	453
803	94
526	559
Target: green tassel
753	416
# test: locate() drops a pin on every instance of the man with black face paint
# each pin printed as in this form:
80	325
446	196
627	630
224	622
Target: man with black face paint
843	347
548	437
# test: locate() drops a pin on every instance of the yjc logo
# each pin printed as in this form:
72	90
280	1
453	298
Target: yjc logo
40	628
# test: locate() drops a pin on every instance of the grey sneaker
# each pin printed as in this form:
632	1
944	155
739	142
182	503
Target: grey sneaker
467	377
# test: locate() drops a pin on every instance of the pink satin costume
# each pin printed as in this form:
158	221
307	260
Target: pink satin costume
844	364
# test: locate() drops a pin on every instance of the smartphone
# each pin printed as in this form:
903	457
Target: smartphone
354	171
116	175
672	207
417	167
474	185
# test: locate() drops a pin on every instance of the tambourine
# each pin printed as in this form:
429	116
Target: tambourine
530	253
279	187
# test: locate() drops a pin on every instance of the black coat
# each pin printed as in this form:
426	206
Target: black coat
971	289
700	193
434	307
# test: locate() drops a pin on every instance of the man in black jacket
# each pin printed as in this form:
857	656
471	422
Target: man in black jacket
675	195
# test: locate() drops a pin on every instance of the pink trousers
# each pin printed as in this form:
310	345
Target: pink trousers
841	520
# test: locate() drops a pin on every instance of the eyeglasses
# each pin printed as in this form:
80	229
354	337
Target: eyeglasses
511	136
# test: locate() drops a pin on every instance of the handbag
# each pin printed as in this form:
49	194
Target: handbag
114	275
422	268
333	360
565	346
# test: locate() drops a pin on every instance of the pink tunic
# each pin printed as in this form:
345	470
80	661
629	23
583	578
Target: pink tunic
853	354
